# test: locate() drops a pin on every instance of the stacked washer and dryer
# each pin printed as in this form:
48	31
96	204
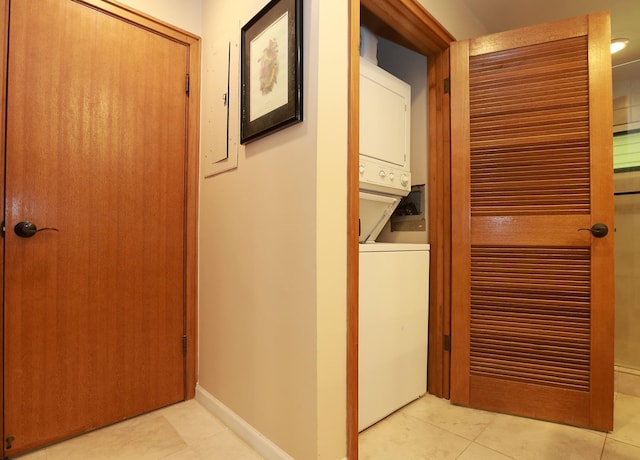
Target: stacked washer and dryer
394	277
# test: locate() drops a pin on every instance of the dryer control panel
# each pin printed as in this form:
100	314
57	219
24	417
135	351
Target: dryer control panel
380	177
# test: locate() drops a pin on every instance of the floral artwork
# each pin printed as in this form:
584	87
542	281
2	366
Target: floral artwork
268	92
269	67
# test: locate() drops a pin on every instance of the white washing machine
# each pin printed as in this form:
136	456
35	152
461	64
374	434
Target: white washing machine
393	328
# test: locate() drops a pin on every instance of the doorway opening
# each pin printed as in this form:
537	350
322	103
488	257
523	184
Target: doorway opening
410	26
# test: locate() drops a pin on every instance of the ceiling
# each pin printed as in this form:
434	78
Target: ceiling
500	15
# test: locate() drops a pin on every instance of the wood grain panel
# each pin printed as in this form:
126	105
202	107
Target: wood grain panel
554	229
4	24
601	133
532	35
353	230
439	226
460	223
550	403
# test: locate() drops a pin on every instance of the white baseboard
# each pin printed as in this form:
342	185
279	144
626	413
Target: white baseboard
240	427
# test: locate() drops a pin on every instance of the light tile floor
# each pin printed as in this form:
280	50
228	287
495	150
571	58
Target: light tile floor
184	431
432	428
429	428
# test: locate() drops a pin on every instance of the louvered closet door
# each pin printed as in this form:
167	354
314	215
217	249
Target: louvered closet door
532	296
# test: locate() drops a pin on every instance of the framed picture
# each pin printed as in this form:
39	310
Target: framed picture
271	70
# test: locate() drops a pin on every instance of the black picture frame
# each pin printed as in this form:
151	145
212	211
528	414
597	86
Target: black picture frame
266	66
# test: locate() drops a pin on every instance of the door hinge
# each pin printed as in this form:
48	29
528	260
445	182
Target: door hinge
447	343
187	84
9	442
184	345
447	85
4	229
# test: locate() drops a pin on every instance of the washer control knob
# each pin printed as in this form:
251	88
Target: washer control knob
391	176
404	180
361	169
382	174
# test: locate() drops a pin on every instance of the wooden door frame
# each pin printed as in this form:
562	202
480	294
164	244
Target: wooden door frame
4	21
407	23
192	42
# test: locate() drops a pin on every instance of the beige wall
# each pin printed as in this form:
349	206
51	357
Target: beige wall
273	253
184	13
456	17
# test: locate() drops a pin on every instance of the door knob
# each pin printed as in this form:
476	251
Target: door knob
27	229
598	230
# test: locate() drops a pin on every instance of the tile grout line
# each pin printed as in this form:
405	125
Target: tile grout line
464	450
604	444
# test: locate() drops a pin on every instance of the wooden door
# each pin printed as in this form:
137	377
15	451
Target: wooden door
94	303
532	288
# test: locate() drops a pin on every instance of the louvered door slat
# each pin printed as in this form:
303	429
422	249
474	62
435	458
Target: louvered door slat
523	283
